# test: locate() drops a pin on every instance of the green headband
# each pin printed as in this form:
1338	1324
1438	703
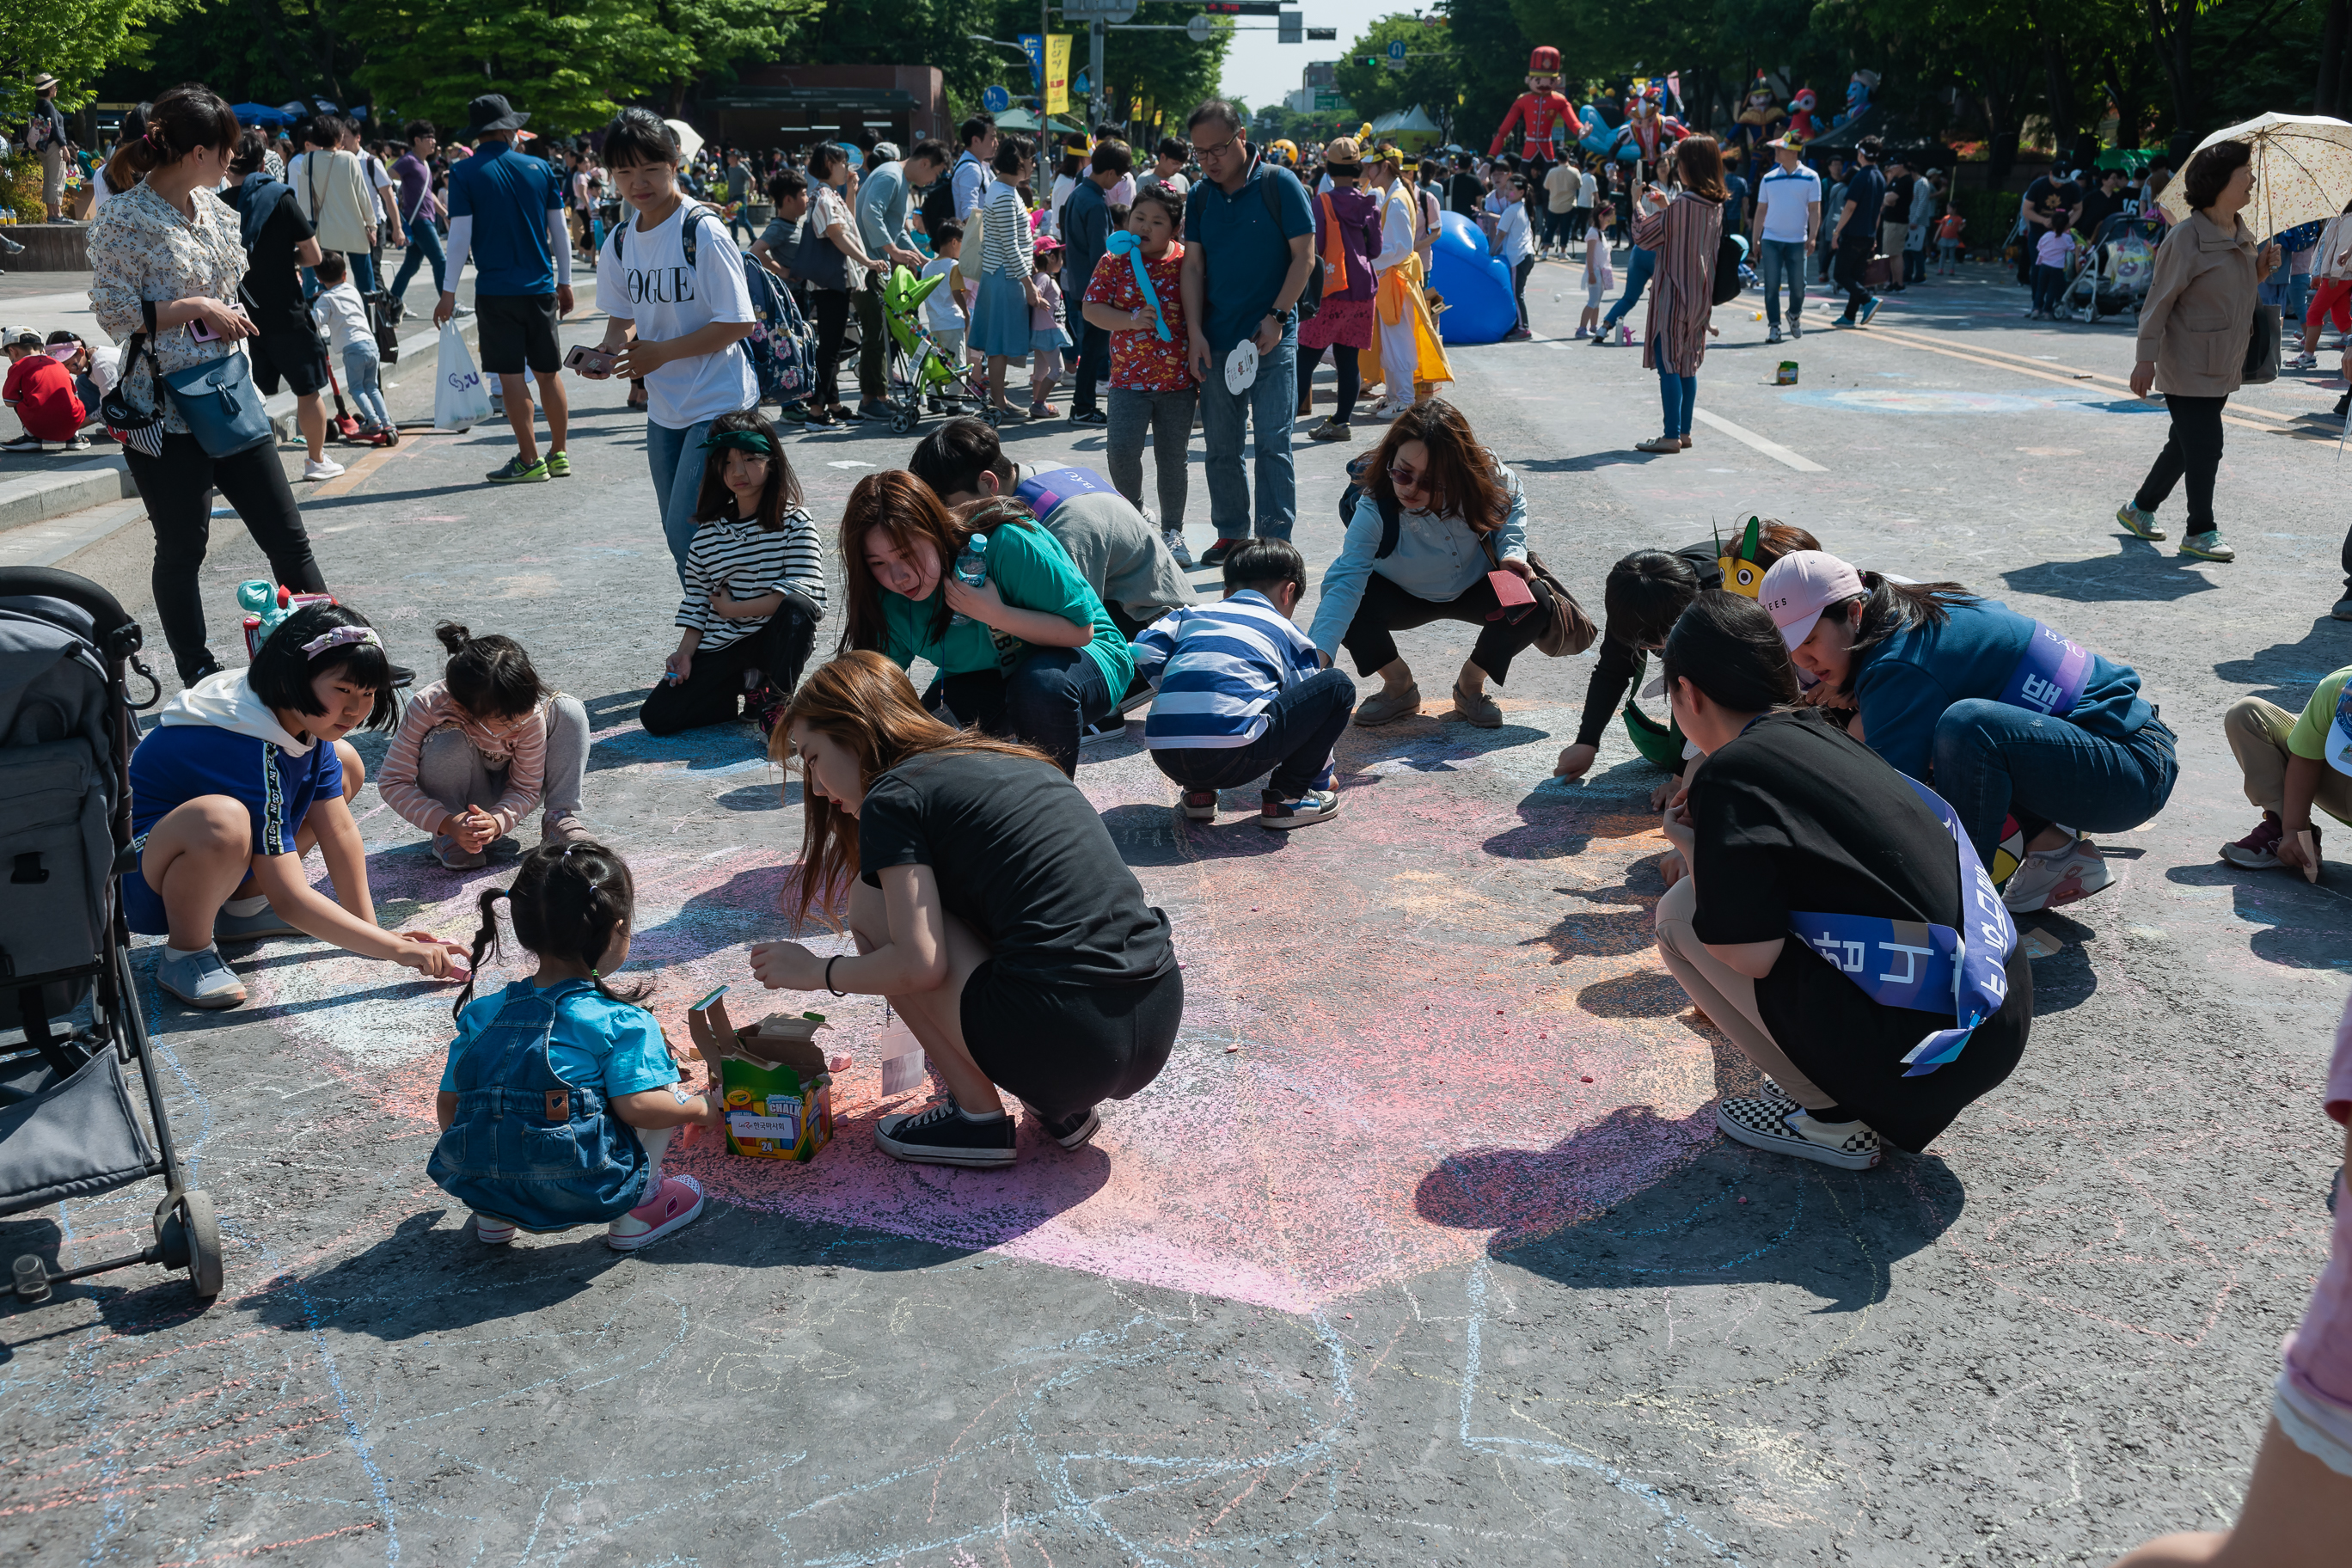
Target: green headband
750	441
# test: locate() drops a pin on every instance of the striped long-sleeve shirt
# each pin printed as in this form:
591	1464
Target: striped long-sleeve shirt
1006	246
748	562
1216	667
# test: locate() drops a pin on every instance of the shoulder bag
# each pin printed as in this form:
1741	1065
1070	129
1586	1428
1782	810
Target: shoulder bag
138	430
218	400
2261	347
1567	630
819	261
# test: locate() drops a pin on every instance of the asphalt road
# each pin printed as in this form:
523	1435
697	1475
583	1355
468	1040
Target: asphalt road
1423	1249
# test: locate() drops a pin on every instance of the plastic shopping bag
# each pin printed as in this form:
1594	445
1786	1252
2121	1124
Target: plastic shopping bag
460	401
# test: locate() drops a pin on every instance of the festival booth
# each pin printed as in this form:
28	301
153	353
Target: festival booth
1411	128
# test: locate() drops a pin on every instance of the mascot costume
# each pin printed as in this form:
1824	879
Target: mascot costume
1802	121
1650	132
1539	112
1857	97
1760	120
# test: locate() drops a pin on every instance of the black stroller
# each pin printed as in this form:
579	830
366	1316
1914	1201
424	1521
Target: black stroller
70	1016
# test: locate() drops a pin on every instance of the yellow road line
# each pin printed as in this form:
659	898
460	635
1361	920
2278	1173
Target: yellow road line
351	478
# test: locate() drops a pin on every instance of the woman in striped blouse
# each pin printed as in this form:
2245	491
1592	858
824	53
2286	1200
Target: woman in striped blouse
1683	229
1008	285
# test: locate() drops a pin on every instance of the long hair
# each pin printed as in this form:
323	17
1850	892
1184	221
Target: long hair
190	116
567	901
1727	646
1889	609
781	494
865	703
1701	161
1462	479
908	510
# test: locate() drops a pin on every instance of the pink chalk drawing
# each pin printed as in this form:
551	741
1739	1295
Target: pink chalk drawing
1385	1066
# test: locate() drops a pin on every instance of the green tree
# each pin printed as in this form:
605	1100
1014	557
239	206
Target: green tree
76	43
571	64
1491	65
717	36
1431	76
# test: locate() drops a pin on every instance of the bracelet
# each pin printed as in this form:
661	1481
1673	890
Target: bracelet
829	985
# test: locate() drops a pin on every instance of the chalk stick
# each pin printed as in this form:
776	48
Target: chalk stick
2310	847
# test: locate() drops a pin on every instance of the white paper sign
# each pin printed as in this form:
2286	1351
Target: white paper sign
746	1127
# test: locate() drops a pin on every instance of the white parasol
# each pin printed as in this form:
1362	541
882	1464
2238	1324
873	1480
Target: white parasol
689	140
2303	171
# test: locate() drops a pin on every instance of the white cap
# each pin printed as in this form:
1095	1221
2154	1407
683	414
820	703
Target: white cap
1799	587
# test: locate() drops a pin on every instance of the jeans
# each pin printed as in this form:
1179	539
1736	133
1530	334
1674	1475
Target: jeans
1302	725
1520	288
2049	283
449	770
1638	269
1679	395
2192	447
778	649
1347	362
423	245
176	487
1948	255
676	460
1780	261
1271	404
1091	351
1168	417
1052	695
362	376
1852	267
1387	608
873	347
1992	760
363	267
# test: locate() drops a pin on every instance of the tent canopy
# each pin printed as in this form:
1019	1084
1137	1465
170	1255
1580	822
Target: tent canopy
259	114
1022	120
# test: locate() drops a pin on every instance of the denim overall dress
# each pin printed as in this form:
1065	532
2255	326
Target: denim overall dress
526	1146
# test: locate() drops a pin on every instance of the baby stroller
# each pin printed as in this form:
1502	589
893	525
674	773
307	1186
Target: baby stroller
918	371
2116	267
70	1015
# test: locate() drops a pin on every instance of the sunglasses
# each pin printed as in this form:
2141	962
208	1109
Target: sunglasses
1404	478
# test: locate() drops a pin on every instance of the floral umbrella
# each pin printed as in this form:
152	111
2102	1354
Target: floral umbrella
2303	171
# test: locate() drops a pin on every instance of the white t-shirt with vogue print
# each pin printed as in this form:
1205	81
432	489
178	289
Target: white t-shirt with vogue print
641	275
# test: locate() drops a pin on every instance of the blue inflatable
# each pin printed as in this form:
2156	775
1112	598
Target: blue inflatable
1479	305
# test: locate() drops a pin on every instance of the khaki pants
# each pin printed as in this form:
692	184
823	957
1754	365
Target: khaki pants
1726	995
2257	732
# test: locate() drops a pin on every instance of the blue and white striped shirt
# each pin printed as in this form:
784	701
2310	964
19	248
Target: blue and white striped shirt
1216	667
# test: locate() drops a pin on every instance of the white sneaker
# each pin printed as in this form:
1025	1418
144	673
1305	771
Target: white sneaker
492	1232
320	468
2050	877
1176	545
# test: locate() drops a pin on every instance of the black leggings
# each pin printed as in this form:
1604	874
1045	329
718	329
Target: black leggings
1388	608
779	650
832	308
176	488
1065	1048
1852	267
2193	448
1343	359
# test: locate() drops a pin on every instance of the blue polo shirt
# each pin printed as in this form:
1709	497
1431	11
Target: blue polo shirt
1244	248
509	195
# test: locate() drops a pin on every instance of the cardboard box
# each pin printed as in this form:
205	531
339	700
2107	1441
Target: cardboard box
1787	375
772	1077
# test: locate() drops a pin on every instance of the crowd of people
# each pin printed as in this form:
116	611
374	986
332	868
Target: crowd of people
1863	779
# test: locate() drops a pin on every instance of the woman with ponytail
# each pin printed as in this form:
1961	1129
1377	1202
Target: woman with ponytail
559	1098
167	266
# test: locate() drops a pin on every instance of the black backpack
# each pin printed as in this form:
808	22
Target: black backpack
1392	515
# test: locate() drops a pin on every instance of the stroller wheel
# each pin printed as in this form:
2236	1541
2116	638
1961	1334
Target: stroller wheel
993	415
189	1238
902	420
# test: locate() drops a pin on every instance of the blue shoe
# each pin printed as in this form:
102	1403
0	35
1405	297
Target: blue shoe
200	980
227	927
1871	310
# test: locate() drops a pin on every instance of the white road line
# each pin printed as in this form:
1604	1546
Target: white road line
1772	449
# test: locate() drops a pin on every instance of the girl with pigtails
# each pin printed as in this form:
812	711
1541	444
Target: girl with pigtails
559	1096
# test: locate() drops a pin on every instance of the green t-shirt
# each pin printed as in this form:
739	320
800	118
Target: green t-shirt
1032	571
2309	736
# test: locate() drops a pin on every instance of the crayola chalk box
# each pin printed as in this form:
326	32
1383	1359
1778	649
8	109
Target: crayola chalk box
772	1078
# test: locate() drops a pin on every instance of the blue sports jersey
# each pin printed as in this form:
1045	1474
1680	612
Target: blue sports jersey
509	195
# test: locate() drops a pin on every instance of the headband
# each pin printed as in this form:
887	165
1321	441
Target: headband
750	441
342	636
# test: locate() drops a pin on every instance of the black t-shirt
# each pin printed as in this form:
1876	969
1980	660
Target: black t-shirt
1867	189
274	278
1621	663
1021	858
1466	194
1794	814
2097	208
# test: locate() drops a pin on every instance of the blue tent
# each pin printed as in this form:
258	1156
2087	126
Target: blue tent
259	114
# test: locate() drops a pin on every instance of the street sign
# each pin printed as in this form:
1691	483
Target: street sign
1322	35
1243	8
1293	28
996	100
1097	10
1199	30
1033	46
1396	49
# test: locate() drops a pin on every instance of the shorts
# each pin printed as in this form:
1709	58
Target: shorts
1065	1048
1593	294
2319	1428
518	331
293	354
143	906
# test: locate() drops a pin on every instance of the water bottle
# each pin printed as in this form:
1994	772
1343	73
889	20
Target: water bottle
970	569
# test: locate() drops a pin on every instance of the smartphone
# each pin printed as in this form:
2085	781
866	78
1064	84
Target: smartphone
200	332
595	362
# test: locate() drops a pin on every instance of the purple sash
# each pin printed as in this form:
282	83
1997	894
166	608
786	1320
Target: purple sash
2049	675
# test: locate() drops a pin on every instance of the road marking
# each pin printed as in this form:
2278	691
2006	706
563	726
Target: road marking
2016	365
354	474
1772	449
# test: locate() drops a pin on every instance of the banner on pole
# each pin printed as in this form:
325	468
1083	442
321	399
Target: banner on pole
1033	46
1057	74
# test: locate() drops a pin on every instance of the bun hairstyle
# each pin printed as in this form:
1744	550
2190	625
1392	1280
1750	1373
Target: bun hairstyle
566	902
1727	646
188	117
283	674
491	677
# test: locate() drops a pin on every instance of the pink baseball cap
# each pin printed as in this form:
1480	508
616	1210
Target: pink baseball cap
1799	587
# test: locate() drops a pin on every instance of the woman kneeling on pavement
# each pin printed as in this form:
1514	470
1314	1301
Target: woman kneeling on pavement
2019	728
988	904
1458	514
1030	653
1906	994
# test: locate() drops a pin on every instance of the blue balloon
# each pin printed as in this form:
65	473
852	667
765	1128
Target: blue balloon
1479	305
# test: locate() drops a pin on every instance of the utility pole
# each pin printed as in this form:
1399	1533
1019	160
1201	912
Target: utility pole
1095	97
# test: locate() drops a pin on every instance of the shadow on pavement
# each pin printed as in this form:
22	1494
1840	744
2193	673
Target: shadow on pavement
2138	573
2305	921
2286	672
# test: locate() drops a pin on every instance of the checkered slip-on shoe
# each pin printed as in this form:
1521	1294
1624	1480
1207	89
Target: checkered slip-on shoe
1768	1124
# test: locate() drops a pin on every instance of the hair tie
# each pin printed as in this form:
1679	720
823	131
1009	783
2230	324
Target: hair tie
342	636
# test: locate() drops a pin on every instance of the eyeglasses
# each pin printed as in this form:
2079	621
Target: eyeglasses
1219	150
1402	477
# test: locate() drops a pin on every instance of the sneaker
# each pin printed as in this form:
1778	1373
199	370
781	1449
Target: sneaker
2258	850
1088	417
2142	524
267	923
492	1232
944	1135
200	980
2206	546
2342	610
1518	335
1478	708
1215	554
1201	805
1276	814
1038	411
564	829
2302	362
445	850
22	444
1580	332
675	1206
1784	1128
517	472
1071	1131
1795	328
320	468
1174	539
1600	338
1381	708
1113	728
1843	321
558	464
876	410
2051	878
76	443
1332	429
1774	336
1867	313
1660	444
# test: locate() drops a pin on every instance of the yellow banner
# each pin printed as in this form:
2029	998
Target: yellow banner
1057	73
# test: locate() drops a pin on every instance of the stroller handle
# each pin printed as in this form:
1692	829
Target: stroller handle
106	613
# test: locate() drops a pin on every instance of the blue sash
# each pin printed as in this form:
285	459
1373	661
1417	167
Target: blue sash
1043	492
2050	674
1927	968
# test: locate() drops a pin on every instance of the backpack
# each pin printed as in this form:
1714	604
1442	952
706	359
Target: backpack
782	348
